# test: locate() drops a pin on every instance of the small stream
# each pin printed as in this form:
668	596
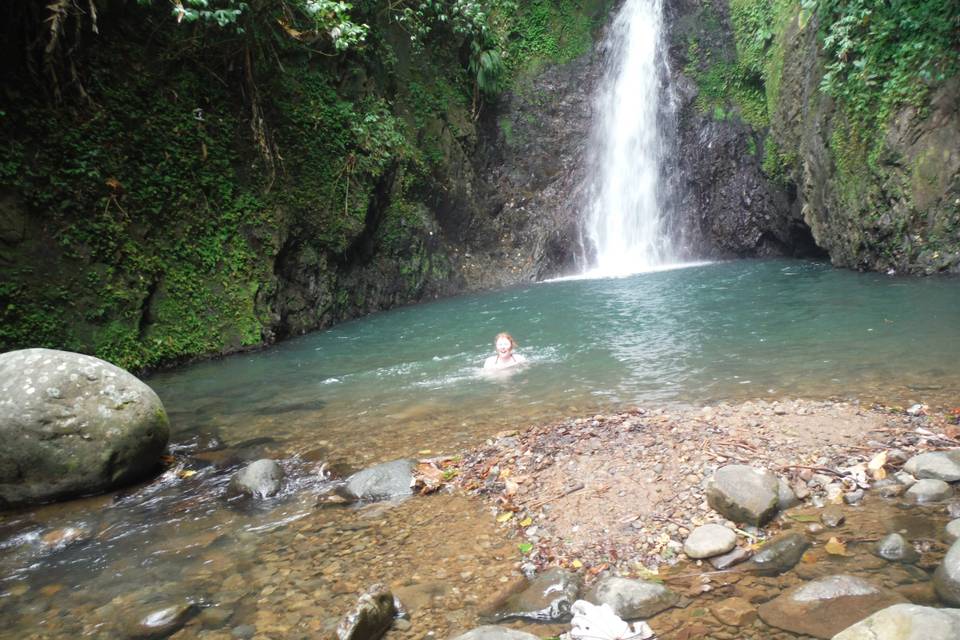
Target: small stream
407	383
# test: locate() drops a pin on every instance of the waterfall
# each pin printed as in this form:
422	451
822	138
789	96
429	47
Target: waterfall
626	208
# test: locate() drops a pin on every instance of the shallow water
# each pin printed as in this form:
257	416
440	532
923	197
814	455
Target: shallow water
407	382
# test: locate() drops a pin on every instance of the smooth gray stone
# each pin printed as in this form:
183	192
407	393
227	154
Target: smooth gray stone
936	465
906	622
495	632
946	579
744	494
779	554
928	490
728	560
832	516
632	599
709	540
786	497
826	606
259	479
952	531
896	548
382	482
547	598
163	622
72	424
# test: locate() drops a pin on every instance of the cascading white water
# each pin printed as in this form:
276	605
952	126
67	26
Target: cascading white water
624	221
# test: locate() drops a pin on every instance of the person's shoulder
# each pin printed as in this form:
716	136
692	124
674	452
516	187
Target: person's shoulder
490	362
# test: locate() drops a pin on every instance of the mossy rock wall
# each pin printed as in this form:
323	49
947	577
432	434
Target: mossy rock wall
146	219
864	164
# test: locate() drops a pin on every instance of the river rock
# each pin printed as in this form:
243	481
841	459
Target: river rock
72	424
896	548
632	599
744	494
946	579
495	632
260	479
832	516
936	465
727	560
735	612
709	540
952	531
928	490
370	618
826	606
786	497
161	623
547	598
906	622
381	482
779	554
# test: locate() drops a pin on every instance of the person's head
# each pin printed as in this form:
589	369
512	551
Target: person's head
504	343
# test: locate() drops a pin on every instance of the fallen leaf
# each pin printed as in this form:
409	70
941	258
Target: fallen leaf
836	547
187	473
526	522
877	461
576	564
525	547
503	517
510	487
803	517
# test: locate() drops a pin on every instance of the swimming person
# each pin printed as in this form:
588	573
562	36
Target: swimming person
505	357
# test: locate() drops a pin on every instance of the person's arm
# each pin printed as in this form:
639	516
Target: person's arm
490	362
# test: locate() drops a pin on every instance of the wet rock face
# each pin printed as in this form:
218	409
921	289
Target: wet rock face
371	617
906	622
260	479
73	424
632	599
826	606
778	555
744	494
547	598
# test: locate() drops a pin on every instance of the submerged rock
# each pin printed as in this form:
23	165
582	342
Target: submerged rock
744	494
162	622
632	599
72	424
709	540
495	632
936	465
730	559
896	548
381	482
924	491
547	598
906	622
952	531
833	516
826	606
779	554
370	618
735	612
260	479
946	579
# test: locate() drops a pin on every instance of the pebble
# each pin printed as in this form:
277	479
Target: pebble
832	516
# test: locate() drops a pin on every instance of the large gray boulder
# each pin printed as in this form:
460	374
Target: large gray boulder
632	599
72	424
946	579
826	606
381	482
744	494
906	622
935	465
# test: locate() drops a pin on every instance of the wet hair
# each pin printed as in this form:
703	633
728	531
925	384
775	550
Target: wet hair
504	334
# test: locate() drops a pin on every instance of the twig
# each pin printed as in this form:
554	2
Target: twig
820	469
540	503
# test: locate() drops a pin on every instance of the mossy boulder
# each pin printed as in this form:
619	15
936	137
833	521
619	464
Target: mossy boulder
72	424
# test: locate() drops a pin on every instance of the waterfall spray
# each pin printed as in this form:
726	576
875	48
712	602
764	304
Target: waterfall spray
625	212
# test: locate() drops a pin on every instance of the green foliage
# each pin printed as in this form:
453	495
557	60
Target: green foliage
883	54
726	87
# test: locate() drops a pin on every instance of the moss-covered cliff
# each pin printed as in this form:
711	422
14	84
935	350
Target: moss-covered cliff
168	191
850	112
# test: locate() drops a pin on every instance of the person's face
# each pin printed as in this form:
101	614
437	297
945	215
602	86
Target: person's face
503	346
